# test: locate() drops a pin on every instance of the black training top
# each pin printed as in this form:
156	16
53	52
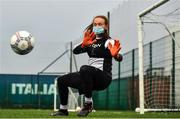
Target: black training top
99	55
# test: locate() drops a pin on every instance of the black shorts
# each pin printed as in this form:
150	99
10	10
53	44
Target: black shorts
88	76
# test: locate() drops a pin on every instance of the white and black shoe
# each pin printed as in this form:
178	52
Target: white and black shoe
87	108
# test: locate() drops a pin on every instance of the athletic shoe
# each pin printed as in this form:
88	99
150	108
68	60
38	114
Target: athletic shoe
60	112
87	108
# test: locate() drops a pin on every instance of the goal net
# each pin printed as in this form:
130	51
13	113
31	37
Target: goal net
160	58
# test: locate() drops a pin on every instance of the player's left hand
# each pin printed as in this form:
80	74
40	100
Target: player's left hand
114	49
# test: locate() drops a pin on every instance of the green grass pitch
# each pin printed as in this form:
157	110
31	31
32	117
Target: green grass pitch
35	113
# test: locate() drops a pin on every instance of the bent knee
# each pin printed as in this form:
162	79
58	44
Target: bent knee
60	81
84	68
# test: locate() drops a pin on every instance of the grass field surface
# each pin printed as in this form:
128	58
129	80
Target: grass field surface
35	113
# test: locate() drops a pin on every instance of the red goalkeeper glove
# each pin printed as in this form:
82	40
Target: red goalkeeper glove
88	39
114	49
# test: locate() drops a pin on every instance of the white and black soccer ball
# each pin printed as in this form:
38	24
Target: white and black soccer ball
22	42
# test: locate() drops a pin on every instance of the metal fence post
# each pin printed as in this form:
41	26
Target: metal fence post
150	68
119	76
107	90
173	71
132	80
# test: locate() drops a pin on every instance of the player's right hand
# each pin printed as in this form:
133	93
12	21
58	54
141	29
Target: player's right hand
89	39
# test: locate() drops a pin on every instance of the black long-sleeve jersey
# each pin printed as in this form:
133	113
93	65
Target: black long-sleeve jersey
99	55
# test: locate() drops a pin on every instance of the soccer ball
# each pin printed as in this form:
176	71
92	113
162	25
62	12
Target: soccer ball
22	42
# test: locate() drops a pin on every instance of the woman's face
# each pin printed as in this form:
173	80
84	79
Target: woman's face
99	22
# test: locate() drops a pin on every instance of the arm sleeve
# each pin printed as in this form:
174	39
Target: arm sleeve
119	58
78	49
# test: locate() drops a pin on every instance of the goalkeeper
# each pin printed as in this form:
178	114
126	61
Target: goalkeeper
97	74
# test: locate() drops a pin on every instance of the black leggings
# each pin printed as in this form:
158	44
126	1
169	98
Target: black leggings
86	80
